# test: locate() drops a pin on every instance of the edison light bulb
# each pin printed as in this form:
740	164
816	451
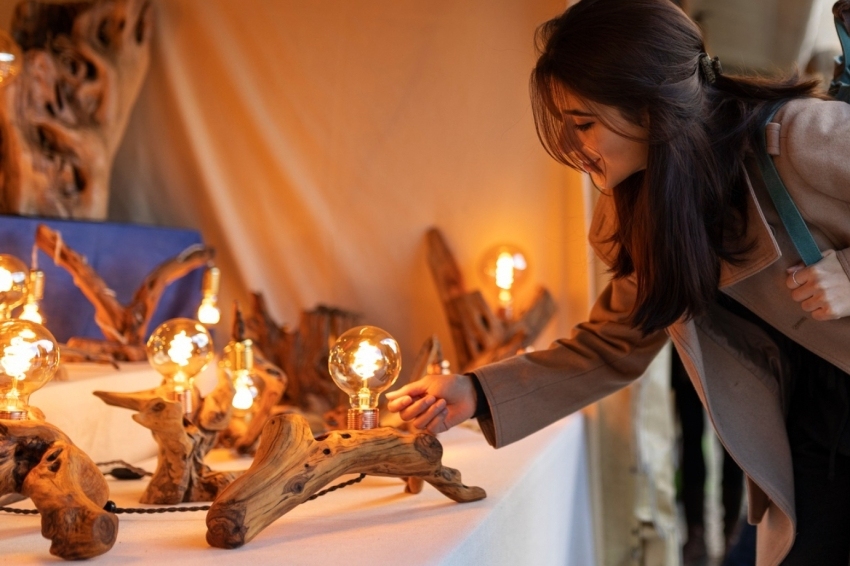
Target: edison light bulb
13	284
29	356
505	267
35	294
179	349
11	58
208	312
240	356
364	362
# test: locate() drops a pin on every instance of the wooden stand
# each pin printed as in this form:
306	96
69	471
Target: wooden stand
40	462
124	327
479	336
291	465
183	440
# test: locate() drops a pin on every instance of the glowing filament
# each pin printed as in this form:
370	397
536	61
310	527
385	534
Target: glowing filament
243	399
368	359
18	356
180	349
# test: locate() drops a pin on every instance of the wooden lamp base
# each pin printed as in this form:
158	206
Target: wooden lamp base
290	466
37	460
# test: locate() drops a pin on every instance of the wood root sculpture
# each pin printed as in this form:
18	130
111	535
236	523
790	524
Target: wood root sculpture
291	465
479	336
303	356
63	117
39	461
124	327
181	474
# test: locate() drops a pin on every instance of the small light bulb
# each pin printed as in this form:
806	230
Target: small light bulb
505	268
208	311
14	277
364	362
35	294
29	356
240	361
179	349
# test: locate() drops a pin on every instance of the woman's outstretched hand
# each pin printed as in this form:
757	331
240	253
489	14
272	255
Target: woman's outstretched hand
822	289
434	403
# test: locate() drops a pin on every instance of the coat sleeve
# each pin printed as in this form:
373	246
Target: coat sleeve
528	392
815	158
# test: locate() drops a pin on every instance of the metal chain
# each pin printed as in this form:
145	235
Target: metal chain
110	506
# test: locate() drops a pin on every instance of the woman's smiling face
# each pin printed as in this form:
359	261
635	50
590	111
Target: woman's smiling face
615	147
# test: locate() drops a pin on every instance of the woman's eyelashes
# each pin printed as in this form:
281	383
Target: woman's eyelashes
584	126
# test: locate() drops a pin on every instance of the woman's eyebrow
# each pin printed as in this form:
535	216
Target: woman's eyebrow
579	113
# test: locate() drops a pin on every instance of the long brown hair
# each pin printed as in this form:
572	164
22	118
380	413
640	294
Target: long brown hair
687	211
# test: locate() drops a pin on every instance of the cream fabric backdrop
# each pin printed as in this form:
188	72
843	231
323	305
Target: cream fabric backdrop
314	143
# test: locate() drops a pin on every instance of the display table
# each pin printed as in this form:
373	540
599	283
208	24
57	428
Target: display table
537	509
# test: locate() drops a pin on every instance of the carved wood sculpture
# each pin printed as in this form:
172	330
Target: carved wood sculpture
291	465
303	356
39	461
181	474
63	117
124	327
479	336
243	432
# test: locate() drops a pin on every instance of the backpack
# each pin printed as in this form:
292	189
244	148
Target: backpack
839	89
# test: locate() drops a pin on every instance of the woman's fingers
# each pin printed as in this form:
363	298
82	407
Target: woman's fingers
414	389
424	419
417	407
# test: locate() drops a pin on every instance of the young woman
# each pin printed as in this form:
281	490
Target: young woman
624	91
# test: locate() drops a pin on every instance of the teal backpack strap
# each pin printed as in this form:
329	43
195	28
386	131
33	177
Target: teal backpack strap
839	88
794	223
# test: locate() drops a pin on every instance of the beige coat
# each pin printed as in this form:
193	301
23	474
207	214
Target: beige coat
734	366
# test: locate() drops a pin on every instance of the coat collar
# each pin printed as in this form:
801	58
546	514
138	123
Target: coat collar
765	247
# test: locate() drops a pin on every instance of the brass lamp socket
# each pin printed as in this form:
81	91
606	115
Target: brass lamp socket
185	398
362	419
36	284
241	355
13	415
211	281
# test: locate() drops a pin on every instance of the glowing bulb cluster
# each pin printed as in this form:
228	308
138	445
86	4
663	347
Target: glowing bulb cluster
29	356
179	349
364	362
208	311
505	267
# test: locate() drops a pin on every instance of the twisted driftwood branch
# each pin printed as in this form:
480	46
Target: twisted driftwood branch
183	441
290	466
124	327
39	461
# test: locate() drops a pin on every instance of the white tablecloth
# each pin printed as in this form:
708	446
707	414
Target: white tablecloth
537	510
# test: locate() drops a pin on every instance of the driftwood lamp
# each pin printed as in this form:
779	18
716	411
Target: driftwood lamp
291	465
39	461
183	425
